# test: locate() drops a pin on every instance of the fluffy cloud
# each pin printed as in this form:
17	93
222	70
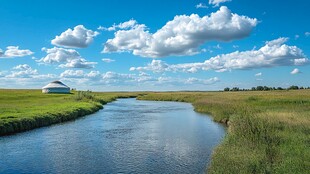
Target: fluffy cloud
23	71
80	74
72	74
22	67
181	36
67	58
132	40
274	53
159	66
156	66
14	51
307	34
216	3
105	78
78	63
93	75
79	37
97	77
295	71
24	76
143	77
114	78
201	5
107	60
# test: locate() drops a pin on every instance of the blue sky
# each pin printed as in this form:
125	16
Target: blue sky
118	45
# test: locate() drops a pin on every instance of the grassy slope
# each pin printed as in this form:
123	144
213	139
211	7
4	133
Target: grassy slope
22	110
269	132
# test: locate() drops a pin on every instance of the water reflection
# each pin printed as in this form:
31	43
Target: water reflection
128	136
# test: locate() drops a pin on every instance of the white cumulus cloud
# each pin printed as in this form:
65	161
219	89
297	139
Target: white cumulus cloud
80	74
79	37
24	76
67	58
14	51
72	74
157	66
216	3
78	63
274	53
181	36
119	78
93	75
22	71
295	71
22	67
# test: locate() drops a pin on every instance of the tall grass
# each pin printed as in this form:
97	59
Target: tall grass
88	95
268	131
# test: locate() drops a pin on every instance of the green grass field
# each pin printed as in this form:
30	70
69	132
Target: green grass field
268	131
22	110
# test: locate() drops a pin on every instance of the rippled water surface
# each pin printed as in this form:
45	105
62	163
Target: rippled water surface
127	136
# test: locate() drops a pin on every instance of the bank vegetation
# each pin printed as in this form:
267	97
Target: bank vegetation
22	110
268	131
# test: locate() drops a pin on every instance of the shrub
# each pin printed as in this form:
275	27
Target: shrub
85	95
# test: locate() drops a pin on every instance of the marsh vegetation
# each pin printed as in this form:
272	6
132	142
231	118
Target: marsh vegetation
268	131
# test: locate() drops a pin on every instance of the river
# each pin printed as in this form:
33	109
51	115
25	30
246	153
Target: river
127	136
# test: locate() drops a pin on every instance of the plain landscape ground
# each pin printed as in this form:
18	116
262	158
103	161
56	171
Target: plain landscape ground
268	131
22	110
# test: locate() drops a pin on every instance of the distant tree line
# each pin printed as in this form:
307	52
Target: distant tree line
265	88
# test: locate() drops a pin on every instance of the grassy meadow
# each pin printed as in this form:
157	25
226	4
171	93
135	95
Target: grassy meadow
22	110
268	131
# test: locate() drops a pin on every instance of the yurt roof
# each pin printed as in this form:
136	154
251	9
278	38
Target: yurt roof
55	84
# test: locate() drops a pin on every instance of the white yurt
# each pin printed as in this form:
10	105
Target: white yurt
56	87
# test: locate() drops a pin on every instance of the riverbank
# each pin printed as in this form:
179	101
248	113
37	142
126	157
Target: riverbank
22	110
127	136
268	131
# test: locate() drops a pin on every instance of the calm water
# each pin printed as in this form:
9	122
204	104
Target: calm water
128	136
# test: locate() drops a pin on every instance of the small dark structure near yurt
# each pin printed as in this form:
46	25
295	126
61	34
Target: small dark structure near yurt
56	87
